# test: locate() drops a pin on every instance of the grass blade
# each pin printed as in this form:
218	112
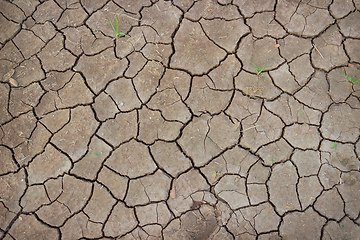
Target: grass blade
124	34
112	27
351	79
117	26
348	77
258	69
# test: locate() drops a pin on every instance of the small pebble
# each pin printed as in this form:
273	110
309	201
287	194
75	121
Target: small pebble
13	82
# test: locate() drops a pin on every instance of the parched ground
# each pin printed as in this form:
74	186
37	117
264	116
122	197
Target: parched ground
228	119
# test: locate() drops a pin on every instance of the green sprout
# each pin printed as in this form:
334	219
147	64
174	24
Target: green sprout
335	145
116	31
351	79
216	173
260	71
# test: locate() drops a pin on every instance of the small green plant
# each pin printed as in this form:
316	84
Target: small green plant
260	71
116	31
90	154
351	79
335	145
215	173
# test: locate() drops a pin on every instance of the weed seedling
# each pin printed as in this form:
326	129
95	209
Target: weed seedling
335	145
116	31
216	173
351	79
260	71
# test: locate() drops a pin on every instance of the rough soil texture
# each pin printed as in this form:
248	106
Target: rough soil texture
227	119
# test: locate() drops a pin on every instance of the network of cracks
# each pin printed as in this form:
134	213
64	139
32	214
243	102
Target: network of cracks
228	119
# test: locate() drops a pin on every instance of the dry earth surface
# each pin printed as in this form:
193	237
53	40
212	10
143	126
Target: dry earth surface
227	119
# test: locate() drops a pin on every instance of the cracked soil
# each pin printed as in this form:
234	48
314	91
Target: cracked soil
211	119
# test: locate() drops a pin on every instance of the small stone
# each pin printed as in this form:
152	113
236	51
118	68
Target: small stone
173	193
13	82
